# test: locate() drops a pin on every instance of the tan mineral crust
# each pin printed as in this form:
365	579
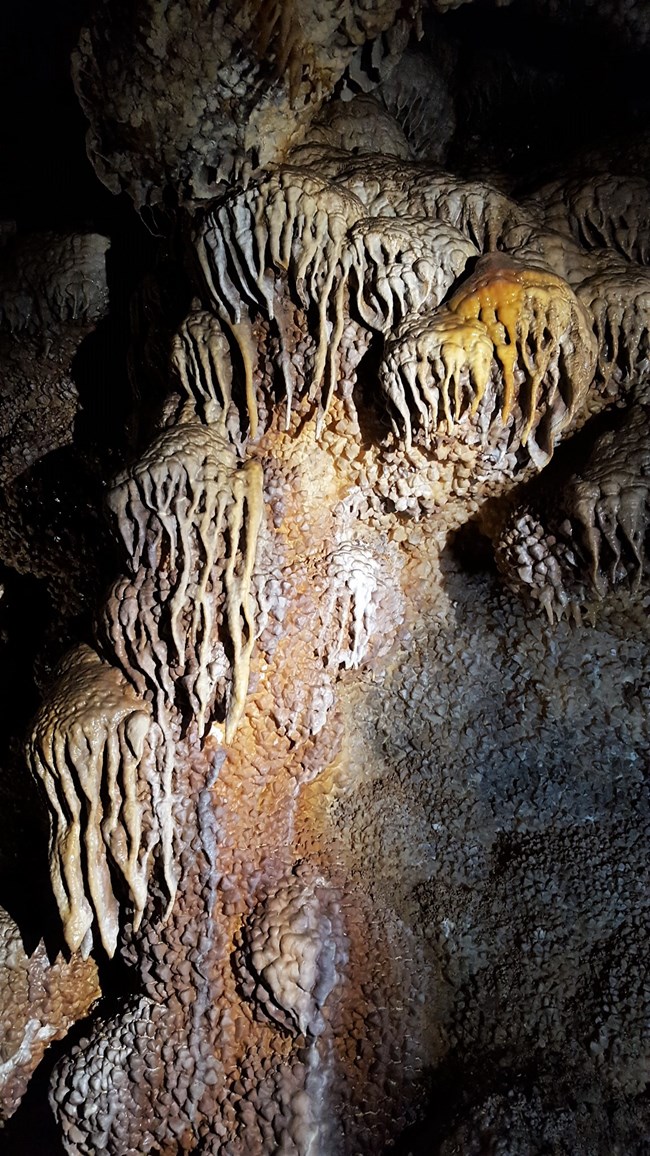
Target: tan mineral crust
39	1001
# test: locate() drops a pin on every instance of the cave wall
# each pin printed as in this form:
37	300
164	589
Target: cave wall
324	581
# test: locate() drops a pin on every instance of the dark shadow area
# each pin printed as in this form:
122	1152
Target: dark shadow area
372	410
48	181
532	93
24	878
471	550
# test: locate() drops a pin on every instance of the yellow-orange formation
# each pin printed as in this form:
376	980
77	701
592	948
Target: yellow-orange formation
512	344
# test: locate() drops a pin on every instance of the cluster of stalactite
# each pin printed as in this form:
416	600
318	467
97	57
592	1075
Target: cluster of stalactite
568	549
495	323
103	743
496	329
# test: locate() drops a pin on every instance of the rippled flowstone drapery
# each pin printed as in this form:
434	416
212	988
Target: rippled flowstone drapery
349	813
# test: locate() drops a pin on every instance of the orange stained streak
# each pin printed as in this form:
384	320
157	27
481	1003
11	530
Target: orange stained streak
500	303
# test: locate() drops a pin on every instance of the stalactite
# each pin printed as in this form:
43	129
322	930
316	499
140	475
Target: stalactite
291	224
386	188
607	502
400	265
267	999
188	515
201	358
350	610
89	749
531	244
437	366
534	323
573	546
602	212
516	326
617	297
47	279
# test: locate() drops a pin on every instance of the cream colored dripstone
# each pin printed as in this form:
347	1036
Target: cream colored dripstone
243	526
606	211
400	265
87	747
201	358
609	503
480	211
552	250
294	225
349	611
387	188
574	546
189	513
130	624
49	279
439	366
618	299
391	237
292	953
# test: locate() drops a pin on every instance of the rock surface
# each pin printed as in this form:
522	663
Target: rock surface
356	835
